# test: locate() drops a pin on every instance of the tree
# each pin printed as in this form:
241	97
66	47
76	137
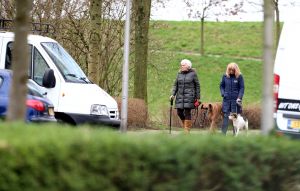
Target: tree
142	16
276	5
267	100
73	31
95	37
277	18
7	9
18	90
204	8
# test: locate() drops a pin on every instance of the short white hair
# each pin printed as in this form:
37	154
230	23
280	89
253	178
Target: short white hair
187	62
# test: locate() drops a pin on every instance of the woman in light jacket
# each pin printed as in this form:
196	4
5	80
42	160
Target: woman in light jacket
232	90
187	90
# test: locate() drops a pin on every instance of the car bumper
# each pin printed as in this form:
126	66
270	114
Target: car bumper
42	119
94	119
291	134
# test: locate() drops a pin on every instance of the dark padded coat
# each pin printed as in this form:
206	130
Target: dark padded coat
231	88
186	89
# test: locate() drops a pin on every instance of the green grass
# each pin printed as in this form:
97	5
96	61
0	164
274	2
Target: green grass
209	70
221	38
225	42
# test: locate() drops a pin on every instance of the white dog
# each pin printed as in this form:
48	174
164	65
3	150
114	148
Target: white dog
239	123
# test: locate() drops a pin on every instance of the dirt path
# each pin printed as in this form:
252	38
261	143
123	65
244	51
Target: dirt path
211	55
193	131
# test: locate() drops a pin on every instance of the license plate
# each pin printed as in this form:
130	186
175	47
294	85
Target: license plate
294	124
51	111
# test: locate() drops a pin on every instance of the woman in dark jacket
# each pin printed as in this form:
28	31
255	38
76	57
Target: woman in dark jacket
187	90
232	90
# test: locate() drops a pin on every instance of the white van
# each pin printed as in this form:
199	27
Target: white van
287	80
54	72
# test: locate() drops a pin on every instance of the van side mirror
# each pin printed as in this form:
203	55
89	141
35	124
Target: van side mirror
49	79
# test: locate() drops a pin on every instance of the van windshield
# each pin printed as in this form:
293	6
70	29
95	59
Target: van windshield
65	63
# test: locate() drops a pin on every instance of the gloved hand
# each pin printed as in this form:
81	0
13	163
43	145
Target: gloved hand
171	97
239	101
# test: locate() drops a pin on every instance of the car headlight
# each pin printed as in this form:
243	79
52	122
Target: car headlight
99	110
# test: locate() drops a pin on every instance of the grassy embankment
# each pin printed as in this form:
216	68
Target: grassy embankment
224	42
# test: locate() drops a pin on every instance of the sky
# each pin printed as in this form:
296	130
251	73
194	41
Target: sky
176	10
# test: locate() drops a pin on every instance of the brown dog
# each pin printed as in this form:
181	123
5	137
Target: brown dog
212	112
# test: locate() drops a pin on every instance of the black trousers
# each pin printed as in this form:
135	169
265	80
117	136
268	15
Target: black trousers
184	114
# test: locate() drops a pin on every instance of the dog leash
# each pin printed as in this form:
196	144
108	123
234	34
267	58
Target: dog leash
239	104
196	104
201	118
196	116
204	117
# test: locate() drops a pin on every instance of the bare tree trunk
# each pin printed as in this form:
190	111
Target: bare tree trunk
18	91
267	100
142	9
58	6
202	37
277	18
94	51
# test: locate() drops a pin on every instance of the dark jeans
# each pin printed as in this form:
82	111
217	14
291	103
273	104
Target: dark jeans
184	114
225	123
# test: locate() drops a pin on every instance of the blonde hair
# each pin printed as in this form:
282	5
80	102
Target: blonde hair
236	69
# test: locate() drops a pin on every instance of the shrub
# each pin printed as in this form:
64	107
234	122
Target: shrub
137	112
56	158
253	114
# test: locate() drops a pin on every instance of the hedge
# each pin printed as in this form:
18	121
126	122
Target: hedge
35	157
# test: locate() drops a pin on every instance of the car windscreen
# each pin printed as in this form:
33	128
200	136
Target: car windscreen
65	63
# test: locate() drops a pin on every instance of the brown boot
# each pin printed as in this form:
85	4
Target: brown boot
187	126
183	123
